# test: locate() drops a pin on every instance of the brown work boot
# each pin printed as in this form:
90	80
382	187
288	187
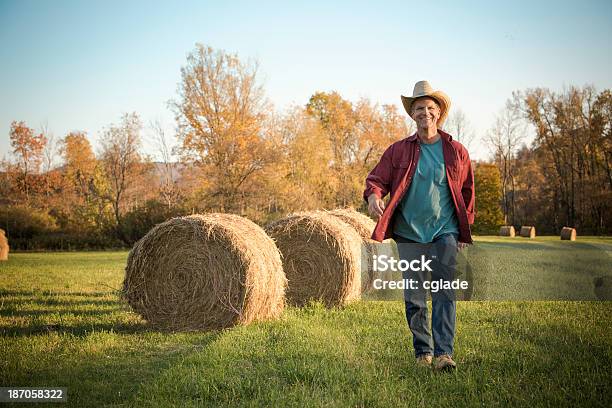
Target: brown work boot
424	360
444	363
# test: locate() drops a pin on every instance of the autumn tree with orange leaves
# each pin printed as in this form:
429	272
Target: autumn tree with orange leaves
28	147
358	135
220	111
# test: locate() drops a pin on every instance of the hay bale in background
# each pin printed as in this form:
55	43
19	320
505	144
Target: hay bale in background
4	246
364	226
321	258
507	231
568	234
362	223
205	272
528	232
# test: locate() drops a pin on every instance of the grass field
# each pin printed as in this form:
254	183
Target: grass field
62	324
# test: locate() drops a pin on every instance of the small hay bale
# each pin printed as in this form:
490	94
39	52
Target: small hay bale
364	226
528	232
4	246
321	258
507	231
568	234
205	272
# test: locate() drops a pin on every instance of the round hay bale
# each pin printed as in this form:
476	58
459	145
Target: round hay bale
364	226
568	234
362	223
4	246
528	232
507	231
321	258
205	272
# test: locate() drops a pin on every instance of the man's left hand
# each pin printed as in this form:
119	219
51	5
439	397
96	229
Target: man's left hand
461	245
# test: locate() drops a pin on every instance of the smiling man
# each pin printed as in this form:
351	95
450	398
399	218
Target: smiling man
431	206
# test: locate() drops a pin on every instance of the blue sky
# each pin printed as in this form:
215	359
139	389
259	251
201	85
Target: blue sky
78	65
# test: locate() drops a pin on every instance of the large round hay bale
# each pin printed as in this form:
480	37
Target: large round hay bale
364	226
4	246
507	231
568	234
205	272
321	258
528	232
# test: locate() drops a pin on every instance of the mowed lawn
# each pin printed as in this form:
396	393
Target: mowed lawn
63	324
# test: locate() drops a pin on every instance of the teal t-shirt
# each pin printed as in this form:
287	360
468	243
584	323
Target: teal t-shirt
427	211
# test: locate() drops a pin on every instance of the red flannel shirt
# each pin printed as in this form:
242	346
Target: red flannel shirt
395	171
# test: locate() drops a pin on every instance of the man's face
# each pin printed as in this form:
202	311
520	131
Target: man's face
425	112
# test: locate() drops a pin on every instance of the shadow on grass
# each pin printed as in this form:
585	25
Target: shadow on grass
78	330
8	303
60	312
50	293
8	312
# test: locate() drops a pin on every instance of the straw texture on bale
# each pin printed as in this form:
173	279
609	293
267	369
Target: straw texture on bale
362	223
205	272
364	226
321	258
507	231
528	232
4	246
568	234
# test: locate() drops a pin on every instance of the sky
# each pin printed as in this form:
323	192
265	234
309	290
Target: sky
79	65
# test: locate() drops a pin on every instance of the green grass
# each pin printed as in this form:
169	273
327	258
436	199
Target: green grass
62	324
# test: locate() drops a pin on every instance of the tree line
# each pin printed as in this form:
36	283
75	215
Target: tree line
236	154
564	178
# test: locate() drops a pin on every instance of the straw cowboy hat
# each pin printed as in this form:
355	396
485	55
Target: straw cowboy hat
421	89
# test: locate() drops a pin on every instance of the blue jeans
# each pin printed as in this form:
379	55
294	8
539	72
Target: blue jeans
443	253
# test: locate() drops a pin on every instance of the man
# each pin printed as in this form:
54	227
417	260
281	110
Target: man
431	185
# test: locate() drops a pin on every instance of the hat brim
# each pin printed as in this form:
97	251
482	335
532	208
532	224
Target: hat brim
439	96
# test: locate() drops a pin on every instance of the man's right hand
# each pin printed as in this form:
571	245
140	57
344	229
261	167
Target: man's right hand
376	206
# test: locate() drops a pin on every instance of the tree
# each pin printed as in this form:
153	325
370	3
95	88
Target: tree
307	184
85	187
572	135
79	161
121	161
534	195
460	127
220	113
377	129
52	177
50	150
488	190
338	120
28	149
358	135
504	140
168	187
